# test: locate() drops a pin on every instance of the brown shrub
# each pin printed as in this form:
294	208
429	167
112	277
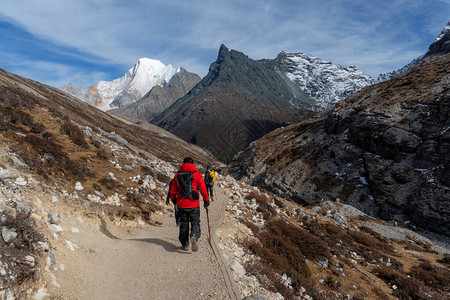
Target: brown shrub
407	288
414	248
37	127
380	294
78	169
260	198
264	207
279	252
332	283
102	154
269	279
332	229
368	240
96	143
445	260
97	187
14	97
279	203
46	146
107	182
309	245
33	161
48	135
250	225
75	134
432	276
13	116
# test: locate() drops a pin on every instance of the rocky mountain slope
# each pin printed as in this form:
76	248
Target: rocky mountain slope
136	83
323	81
159	97
383	150
237	102
76	183
328	250
61	158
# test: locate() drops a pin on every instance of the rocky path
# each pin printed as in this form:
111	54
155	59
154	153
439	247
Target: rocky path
151	265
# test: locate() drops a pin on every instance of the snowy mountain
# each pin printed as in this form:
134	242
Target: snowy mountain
390	75
323	81
136	82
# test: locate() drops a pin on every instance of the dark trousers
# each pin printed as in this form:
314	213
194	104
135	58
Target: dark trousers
177	216
209	189
189	216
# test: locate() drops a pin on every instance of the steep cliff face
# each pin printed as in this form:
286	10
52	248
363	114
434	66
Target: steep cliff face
159	97
383	150
239	101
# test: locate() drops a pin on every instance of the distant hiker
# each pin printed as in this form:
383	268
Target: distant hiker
210	178
177	215
185	191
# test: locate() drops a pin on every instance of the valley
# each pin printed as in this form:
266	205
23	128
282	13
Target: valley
330	185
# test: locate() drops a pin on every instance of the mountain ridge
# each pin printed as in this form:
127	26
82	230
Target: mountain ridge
159	97
236	102
383	150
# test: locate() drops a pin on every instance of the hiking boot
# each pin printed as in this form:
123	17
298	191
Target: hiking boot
186	246
194	245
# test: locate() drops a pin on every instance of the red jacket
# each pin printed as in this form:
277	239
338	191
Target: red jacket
197	184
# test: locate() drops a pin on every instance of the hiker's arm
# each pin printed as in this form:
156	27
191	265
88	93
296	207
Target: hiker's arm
202	187
174	189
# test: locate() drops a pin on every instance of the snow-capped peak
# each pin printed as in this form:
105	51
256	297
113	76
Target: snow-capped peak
444	31
136	82
324	81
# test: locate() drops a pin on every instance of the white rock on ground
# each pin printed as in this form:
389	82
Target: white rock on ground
8	235
78	186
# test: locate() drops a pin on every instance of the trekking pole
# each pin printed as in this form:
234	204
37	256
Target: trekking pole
209	229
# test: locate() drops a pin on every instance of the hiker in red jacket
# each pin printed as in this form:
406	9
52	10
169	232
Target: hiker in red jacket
184	190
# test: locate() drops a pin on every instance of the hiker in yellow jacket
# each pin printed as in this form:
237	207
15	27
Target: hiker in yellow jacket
210	178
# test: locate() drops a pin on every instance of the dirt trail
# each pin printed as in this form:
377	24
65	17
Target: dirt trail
150	264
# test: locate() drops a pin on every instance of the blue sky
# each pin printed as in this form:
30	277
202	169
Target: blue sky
85	41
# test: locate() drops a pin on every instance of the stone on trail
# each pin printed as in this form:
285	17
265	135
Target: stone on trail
237	267
29	260
40	294
23	209
8	235
255	297
20	181
78	186
5	175
54	219
18	163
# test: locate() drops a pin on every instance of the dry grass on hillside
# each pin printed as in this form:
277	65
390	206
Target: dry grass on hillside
357	262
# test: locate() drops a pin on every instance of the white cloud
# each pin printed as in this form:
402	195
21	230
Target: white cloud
190	32
56	74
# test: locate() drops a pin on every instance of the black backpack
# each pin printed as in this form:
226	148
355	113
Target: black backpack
185	180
